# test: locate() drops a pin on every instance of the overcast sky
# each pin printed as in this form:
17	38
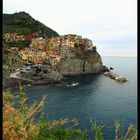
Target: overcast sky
111	24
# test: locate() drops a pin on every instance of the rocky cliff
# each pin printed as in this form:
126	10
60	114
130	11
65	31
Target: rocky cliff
80	61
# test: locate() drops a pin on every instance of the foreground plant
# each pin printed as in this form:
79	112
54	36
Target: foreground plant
131	133
18	122
97	130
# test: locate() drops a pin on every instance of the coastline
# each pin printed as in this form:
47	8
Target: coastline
15	78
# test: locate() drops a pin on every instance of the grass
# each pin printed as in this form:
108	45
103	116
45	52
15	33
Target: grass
19	30
19	123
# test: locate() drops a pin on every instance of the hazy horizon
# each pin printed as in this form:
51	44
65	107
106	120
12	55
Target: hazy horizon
111	25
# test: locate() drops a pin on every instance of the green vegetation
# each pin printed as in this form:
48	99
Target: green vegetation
19	123
17	29
23	24
19	44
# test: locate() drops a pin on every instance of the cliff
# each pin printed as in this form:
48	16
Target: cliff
80	61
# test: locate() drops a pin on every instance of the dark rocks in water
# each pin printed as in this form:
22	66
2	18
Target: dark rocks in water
111	68
115	77
105	69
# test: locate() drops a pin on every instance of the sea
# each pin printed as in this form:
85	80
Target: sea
97	97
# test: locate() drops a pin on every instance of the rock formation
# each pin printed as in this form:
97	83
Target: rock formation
80	61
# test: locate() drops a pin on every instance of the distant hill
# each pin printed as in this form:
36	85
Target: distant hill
23	23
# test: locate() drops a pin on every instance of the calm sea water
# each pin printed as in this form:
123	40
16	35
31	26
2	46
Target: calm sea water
97	97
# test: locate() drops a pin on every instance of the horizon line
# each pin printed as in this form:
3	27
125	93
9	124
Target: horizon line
120	55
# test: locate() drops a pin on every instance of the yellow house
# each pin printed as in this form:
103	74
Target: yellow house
25	57
43	54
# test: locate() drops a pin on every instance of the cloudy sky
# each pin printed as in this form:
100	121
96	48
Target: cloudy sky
111	24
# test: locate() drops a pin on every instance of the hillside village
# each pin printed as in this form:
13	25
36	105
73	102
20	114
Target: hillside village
47	50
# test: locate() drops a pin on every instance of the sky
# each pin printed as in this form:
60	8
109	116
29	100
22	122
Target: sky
110	24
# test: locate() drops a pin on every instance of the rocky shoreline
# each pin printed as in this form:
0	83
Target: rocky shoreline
52	79
116	77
